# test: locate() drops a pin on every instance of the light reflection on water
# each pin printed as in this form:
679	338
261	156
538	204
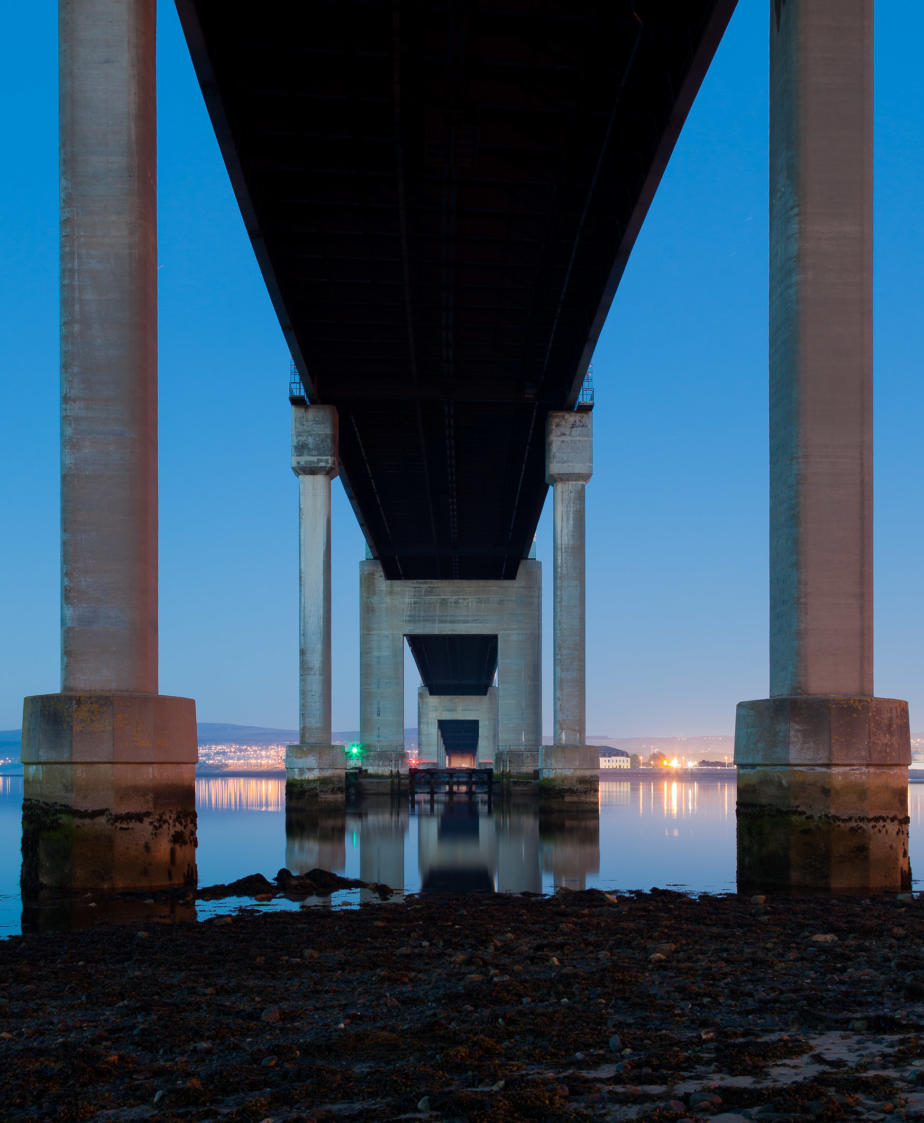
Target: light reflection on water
240	793
658	831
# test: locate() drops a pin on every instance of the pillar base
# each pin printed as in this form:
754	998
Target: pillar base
314	774
516	772
823	794
385	762
109	792
569	773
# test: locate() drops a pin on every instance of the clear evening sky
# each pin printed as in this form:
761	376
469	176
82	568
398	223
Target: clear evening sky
677	509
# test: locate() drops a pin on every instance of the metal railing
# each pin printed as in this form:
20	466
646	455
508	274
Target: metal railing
296	389
586	396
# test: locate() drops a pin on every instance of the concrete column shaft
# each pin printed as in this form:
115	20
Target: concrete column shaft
568	612
381	667
314	610
821	466
315	438
108	164
519	678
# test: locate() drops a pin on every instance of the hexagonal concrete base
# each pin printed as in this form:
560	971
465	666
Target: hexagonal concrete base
109	729
823	794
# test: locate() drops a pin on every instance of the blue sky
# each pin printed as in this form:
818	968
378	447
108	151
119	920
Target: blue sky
677	509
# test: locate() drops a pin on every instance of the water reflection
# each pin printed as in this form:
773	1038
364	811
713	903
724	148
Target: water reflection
240	793
99	839
647	834
831	829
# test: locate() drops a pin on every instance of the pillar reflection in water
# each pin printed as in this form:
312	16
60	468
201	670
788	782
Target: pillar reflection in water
518	868
457	849
316	840
570	841
840	829
105	829
382	830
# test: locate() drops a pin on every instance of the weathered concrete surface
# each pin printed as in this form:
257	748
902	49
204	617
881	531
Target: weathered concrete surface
569	465
109	792
822	764
315	769
315	431
389	610
314	773
569	773
823	793
823	731
821	359
108	165
109	764
108	827
842	828
567	769
96	728
431	708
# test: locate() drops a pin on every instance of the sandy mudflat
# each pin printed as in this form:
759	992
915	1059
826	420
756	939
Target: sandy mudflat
654	1007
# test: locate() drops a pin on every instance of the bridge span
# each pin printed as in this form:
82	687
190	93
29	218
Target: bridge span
442	198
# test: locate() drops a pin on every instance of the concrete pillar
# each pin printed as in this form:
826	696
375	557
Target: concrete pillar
519	678
108	187
478	707
381	675
390	610
109	744
821	754
569	767
315	769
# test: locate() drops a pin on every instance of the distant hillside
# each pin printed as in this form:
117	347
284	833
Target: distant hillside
693	748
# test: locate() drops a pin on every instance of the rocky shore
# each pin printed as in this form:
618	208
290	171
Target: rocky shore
651	1006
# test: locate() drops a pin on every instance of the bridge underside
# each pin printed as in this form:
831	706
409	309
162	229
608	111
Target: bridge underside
442	197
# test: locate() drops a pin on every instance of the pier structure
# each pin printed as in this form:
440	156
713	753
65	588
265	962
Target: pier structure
822	763
569	767
108	761
501	615
471	717
315	768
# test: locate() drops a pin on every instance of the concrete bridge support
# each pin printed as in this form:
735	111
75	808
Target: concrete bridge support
431	708
568	768
822	764
315	769
390	610
109	763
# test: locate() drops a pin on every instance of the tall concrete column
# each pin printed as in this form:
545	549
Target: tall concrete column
569	764
381	674
314	768
822	749
109	739
108	186
519	677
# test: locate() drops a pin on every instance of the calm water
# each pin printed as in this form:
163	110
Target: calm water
652	832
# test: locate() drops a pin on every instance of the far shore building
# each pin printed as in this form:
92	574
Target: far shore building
615	758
